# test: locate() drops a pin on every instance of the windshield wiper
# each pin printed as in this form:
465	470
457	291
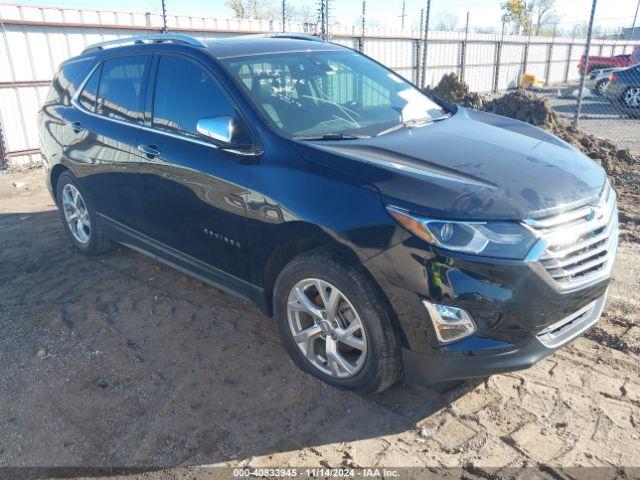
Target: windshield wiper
413	123
332	136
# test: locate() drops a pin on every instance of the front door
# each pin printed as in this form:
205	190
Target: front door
194	193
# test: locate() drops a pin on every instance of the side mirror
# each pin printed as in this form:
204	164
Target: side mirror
217	128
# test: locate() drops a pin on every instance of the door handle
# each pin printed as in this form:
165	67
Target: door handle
151	151
77	127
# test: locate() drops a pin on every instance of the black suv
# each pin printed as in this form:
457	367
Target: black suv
387	232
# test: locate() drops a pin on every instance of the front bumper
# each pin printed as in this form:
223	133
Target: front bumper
522	314
424	369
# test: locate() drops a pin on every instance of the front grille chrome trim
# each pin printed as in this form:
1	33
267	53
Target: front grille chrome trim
576	248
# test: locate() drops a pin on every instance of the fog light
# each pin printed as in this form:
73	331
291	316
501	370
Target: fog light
450	323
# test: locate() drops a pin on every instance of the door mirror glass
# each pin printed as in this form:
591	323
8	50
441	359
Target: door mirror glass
219	129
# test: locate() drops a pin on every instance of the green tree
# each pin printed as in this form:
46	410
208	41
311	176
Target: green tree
531	16
258	9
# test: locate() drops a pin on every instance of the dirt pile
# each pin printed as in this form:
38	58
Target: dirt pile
536	110
451	89
527	107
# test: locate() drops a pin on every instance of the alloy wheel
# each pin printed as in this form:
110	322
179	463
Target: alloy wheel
600	86
632	97
76	213
326	328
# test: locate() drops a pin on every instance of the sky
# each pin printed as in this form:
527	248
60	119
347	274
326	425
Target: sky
482	13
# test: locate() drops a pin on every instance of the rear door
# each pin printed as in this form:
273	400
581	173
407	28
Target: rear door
103	143
194	192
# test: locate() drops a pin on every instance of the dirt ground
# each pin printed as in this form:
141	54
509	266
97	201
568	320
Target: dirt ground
117	360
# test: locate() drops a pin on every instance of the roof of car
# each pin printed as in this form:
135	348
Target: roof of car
255	45
223	47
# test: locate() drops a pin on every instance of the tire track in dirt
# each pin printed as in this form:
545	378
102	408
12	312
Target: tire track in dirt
141	365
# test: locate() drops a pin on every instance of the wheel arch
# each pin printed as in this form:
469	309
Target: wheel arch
294	246
298	245
56	171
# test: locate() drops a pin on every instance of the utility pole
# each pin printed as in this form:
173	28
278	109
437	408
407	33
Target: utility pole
635	17
425	43
583	76
404	9
164	17
284	14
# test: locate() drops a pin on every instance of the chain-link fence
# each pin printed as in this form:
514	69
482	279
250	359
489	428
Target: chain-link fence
490	61
608	104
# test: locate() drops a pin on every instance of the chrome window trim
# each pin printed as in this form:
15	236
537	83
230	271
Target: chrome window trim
76	103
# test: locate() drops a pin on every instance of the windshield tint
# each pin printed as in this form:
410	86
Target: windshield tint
308	94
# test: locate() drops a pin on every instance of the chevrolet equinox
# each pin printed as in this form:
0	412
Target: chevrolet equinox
390	235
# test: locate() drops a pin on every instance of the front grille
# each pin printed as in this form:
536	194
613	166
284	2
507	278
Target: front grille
580	244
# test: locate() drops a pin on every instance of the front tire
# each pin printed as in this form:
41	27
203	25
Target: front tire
79	217
631	97
334	323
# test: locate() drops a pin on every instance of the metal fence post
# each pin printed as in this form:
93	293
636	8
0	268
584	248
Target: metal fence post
364	23
4	163
566	70
547	73
585	67
164	17
463	49
425	43
525	60
418	77
496	72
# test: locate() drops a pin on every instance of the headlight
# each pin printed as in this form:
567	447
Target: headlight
491	239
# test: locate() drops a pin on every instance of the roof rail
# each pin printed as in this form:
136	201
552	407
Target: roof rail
139	39
293	36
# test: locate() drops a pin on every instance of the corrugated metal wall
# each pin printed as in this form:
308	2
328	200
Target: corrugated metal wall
36	39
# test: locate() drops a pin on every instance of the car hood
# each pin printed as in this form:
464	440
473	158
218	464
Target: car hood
474	165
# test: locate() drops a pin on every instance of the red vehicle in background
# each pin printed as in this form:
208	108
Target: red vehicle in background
599	63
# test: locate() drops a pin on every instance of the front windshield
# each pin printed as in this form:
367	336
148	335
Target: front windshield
311	94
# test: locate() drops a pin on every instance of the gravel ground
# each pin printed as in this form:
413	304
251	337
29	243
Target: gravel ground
117	360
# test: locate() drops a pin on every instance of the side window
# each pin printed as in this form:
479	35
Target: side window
121	88
184	94
89	94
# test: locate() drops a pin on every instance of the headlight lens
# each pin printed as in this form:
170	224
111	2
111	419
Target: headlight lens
491	239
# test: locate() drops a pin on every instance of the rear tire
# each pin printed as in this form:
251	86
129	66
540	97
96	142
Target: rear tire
79	217
341	295
600	86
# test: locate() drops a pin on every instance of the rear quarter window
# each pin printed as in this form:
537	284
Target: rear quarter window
69	77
